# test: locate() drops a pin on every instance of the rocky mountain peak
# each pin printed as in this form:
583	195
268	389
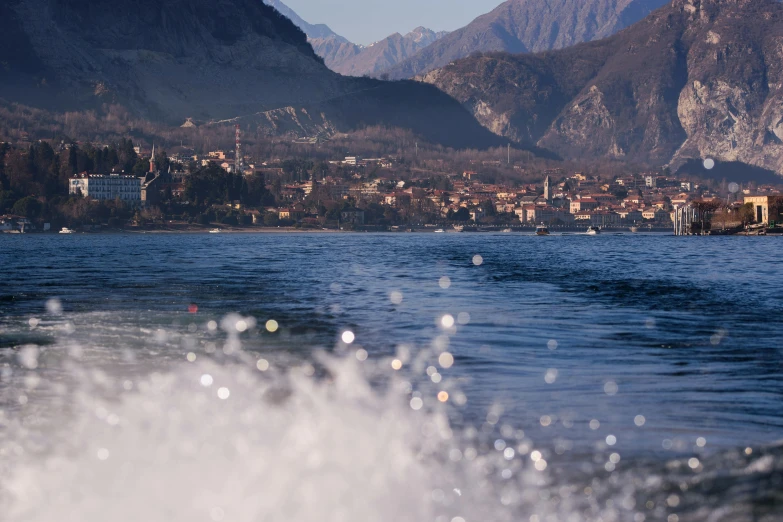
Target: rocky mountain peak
695	79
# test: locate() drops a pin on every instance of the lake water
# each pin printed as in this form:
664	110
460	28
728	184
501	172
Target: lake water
489	377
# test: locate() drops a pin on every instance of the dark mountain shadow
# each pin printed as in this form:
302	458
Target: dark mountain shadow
733	171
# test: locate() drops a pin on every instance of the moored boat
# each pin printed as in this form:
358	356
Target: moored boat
66	230
215	231
541	230
593	231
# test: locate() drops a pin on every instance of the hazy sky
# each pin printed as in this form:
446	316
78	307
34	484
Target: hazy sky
367	21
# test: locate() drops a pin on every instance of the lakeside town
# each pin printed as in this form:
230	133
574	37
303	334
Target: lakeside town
190	191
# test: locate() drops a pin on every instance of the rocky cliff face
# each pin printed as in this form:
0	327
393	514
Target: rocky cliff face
519	26
697	78
169	60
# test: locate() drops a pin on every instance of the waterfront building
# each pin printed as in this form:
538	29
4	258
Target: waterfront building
766	208
104	187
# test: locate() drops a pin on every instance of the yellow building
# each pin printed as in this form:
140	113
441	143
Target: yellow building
766	208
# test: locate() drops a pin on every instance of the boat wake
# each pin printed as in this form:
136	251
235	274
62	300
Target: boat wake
340	437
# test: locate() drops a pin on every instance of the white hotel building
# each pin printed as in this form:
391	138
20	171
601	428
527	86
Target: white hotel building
107	187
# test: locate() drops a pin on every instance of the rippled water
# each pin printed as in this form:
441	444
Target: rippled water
618	377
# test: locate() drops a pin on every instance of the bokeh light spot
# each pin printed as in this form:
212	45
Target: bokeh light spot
446	360
396	297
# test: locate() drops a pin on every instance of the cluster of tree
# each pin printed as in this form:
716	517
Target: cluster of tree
211	185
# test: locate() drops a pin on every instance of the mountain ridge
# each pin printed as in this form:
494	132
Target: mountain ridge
209	60
350	59
322	31
373	59
520	26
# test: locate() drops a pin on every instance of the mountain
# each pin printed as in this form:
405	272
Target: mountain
313	31
352	59
695	79
378	57
520	26
169	60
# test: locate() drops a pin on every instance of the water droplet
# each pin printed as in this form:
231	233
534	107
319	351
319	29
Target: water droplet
416	403
639	420
272	326
444	282
207	380
223	393
447	321
348	337
478	260
262	365
709	163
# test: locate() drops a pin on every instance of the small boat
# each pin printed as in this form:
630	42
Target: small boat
542	231
634	229
593	231
215	231
66	230
440	231
507	231
459	228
